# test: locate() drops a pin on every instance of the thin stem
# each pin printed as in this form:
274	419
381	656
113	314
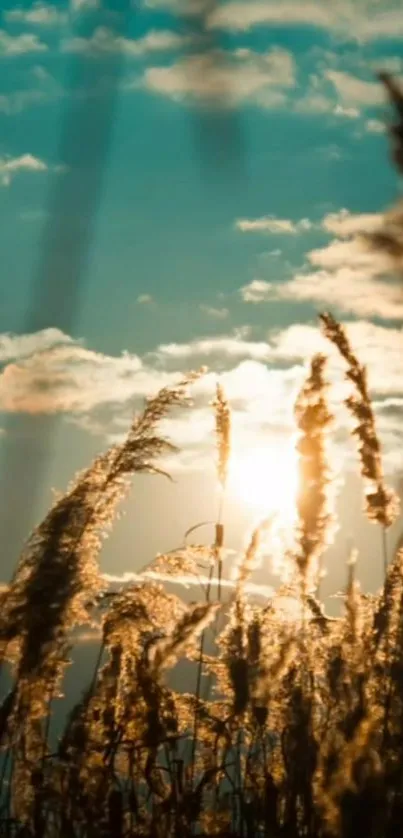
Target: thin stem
319	577
220	529
198	681
384	551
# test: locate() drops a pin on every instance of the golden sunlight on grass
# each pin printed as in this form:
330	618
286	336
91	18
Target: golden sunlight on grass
265	479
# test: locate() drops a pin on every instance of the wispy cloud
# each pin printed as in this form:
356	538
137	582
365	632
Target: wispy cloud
345	223
226	78
186	580
13	45
44	88
181	7
244	15
351	20
84	5
225	346
215	313
13	347
375	126
347	275
271	224
356	92
378	347
39	14
145	300
104	42
11	166
346	289
18	100
49	372
352	292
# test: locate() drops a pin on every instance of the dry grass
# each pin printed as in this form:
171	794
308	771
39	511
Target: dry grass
299	733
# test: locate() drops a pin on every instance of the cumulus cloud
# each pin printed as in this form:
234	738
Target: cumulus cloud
13	347
351	20
346	289
49	372
226	78
345	223
241	16
353	253
39	14
257	291
215	313
355	92
225	346
348	275
104	42
181	7
271	224
11	166
375	126
84	5
13	45
380	348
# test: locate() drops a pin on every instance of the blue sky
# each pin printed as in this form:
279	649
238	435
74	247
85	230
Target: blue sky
182	183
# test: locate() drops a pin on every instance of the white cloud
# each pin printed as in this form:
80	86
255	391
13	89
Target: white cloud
375	126
84	5
10	166
355	92
58	375
314	102
13	347
39	14
350	19
271	224
17	100
184	579
349	276
181	7
345	223
104	42
352	253
345	288
49	372
242	16
347	112
385	24
12	45
378	347
226	78
257	291
215	313
225	347
145	299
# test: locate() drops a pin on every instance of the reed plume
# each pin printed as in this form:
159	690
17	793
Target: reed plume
382	504
395	93
222	414
314	518
57	578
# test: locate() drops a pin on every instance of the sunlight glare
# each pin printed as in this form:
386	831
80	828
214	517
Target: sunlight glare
265	479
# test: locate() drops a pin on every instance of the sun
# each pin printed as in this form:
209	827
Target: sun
265	479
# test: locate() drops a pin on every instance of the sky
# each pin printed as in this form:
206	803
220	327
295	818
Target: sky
183	183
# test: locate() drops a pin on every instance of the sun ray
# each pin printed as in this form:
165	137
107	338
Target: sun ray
265	479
